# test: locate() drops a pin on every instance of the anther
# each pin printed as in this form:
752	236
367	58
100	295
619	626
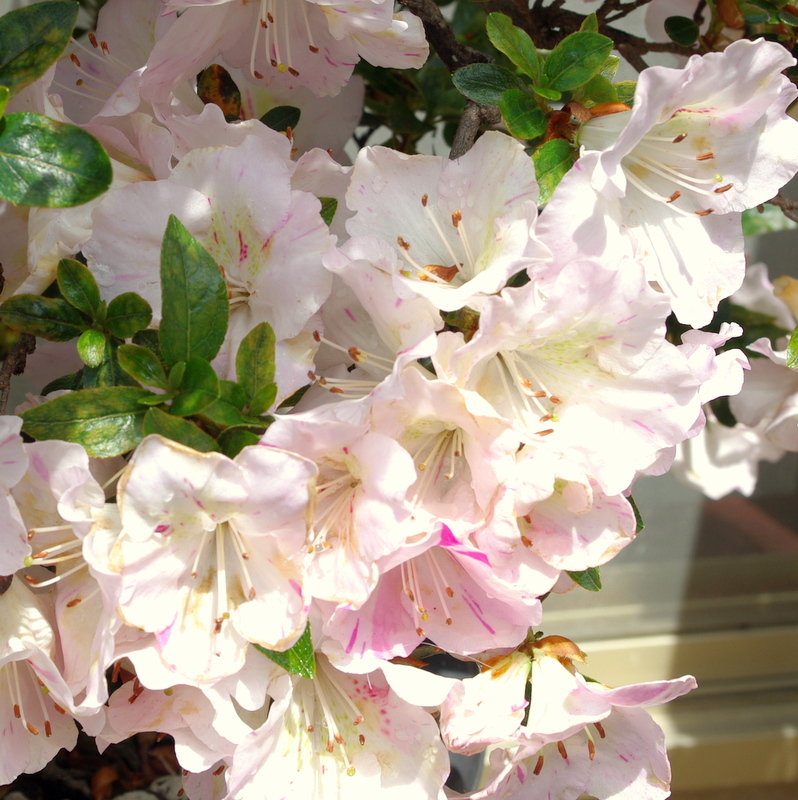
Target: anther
722	189
457	217
73	603
93	40
600	729
48	729
680	138
705	212
34	731
535	394
339	738
270	17
709	155
538	766
554	399
525	541
74	59
219	770
263	24
591	749
675	196
561	749
258	75
59	709
362	739
546	418
104	47
546	432
357	720
424	200
420	632
293	72
313	49
402	243
316	336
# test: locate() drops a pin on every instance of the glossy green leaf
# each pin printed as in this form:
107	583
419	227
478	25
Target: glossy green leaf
329	205
575	60
522	116
198	389
234	440
142	365
109	373
552	162
48	163
597	90
31	39
515	44
195	304
485	83
128	314
682	30
71	382
47	317
788	19
5	95
590	23
263	400
92	347
281	118
232	393
176	373
792	350
298	660
106	421
78	286
255	360
221	414
178	430
589	579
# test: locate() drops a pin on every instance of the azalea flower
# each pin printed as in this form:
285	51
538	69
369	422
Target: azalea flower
209	552
461	228
700	145
310	43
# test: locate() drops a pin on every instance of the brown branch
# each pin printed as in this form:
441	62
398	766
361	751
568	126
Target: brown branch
474	116
788	206
441	36
14	364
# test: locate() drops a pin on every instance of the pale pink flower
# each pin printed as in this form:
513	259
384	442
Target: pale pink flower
312	43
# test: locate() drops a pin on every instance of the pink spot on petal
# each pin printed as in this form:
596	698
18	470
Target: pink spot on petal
350	314
353	638
295	586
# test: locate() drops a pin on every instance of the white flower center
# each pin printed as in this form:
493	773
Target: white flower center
275	20
673	160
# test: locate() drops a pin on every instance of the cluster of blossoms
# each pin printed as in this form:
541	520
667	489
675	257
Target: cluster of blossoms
486	383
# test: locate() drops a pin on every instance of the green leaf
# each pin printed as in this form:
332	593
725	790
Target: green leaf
485	83
49	163
588	579
298	660
281	118
548	94
178	430
198	389
792	350
31	39
788	19
515	44
232	393
72	382
522	115
142	365
590	23
552	161
575	60
626	91
255	360
176	375
638	518
48	317
128	314
106	421
597	90
263	400
682	30
92	347
195	304
329	205
109	373
4	98
78	286
234	440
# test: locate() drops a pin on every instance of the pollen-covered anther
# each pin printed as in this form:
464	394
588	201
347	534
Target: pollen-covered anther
104	47
722	189
355	354
526	541
313	48
561	749
598	726
705	212
294	72
270	17
402	243
424	200
93	40
219	770
263	24
457	217
675	196
680	138
546	432
538	766
75	601
74	59
708	156
546	418
258	75
362	739
591	749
